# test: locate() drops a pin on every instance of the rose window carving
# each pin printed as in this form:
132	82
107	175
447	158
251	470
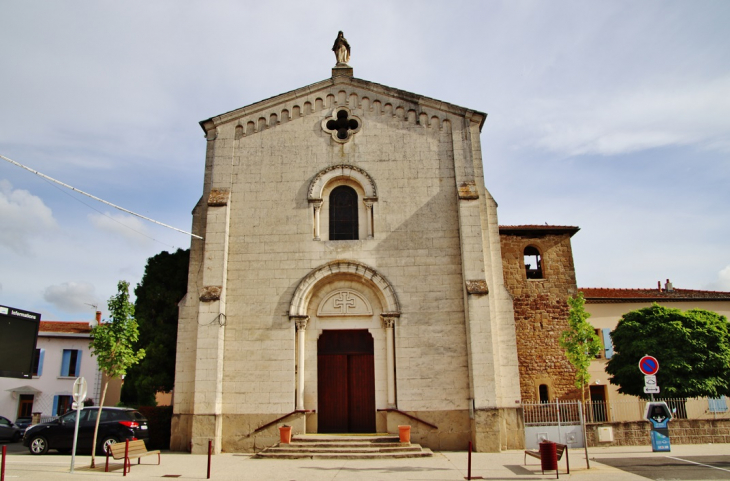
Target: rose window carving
342	125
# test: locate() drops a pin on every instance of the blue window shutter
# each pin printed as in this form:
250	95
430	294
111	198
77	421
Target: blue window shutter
78	364
66	362
717	404
40	362
55	406
607	343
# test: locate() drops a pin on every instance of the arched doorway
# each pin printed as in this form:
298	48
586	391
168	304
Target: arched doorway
345	382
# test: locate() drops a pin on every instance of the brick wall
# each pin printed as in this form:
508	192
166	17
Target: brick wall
541	310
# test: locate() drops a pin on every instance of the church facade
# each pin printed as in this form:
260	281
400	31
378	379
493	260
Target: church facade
350	278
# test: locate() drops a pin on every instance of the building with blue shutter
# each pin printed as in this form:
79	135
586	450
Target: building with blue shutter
62	355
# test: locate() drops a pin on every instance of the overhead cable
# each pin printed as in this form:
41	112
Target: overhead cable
96	198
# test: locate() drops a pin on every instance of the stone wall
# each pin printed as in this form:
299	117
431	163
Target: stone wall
684	431
541	310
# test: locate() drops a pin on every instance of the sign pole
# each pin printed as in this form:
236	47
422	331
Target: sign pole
79	391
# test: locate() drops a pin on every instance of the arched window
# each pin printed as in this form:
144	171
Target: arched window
544	393
343	213
533	263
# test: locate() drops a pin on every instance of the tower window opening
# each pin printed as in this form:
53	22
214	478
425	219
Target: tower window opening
533	263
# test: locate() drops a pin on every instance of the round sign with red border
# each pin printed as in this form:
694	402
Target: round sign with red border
648	365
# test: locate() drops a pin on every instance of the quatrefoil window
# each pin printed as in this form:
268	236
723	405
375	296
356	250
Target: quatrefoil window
342	125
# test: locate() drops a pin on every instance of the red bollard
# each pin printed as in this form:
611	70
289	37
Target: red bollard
2	469
468	475
210	451
126	457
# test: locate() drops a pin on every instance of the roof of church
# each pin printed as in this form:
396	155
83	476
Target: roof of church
263	106
65	327
601	295
535	229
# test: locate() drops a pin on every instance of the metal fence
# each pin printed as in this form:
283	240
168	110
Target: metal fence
557	413
625	410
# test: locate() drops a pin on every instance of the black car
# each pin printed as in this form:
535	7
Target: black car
115	425
8	430
22	424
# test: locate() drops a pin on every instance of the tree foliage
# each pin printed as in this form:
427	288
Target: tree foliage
163	285
112	343
580	341
692	347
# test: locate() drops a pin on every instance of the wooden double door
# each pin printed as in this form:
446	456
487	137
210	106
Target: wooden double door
345	382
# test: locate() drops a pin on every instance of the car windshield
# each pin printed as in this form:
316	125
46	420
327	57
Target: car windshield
70	417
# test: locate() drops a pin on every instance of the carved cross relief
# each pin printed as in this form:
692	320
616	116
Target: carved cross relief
344	302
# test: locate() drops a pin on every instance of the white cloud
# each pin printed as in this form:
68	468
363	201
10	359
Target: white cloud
23	217
122	225
723	280
71	296
632	121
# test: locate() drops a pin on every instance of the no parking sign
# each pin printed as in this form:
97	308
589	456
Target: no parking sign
648	365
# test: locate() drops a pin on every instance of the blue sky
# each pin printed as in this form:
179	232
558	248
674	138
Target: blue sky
612	116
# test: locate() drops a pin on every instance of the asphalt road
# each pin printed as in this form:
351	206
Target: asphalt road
668	467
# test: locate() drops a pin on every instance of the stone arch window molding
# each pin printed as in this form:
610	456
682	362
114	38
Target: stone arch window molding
337	174
342	124
306	288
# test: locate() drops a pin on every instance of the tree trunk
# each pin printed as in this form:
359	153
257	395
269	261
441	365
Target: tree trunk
585	418
96	428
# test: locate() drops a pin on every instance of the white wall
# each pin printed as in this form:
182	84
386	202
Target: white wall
50	382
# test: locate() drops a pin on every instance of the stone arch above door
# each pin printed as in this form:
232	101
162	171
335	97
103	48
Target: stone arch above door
307	286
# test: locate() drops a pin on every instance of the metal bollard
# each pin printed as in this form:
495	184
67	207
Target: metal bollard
126	457
468	475
2	469
210	451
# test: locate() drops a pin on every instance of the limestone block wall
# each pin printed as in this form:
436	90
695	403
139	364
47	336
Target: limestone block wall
415	246
541	309
267	155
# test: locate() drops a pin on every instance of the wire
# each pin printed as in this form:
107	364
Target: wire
96	198
107	215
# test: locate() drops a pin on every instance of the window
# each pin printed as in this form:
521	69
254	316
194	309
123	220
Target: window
61	404
343	213
38	362
607	343
605	337
544	393
71	363
533	263
718	404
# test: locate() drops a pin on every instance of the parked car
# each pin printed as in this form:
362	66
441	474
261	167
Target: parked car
8	430
116	425
23	424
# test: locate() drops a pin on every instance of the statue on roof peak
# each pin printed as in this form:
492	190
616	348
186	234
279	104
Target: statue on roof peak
341	49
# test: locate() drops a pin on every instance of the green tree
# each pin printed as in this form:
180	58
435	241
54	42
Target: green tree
692	347
581	347
580	342
163	285
112	344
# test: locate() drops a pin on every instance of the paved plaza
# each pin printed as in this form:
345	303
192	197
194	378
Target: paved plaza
686	462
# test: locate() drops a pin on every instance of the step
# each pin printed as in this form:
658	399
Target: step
343	449
344	446
365	438
419	454
333	444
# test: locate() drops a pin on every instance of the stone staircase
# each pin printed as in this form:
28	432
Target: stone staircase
334	446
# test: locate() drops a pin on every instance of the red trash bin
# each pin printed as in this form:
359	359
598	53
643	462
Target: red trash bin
548	456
